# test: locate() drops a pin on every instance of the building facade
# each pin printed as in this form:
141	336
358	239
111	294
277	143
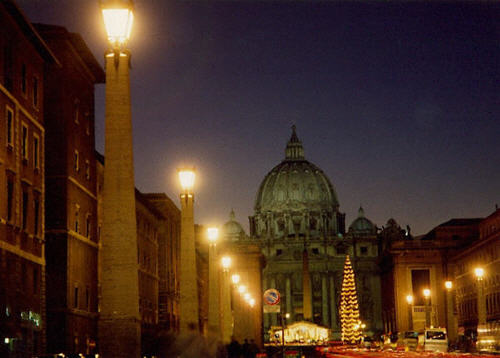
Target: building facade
23	56
296	220
71	199
482	252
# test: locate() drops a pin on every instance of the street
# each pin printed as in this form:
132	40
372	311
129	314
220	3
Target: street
339	352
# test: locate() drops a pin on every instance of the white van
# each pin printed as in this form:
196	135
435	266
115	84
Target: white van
434	340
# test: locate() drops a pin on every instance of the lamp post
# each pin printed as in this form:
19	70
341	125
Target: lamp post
214	313
481	303
119	319
427	296
227	317
409	299
188	283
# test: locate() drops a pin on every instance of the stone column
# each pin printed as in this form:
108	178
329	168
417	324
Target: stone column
119	320
288	294
306	288
214	311
274	316
451	319
188	277
333	306
324	300
227	314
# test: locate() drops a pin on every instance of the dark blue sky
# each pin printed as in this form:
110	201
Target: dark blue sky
397	102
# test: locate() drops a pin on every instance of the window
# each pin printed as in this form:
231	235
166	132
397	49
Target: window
341	251
10	198
76	160
25	209
23	78
35	91
36	151
75	297
8	66
88	226
315	250
77	212
36	208
87	170
10	127
24	143
279	252
363	250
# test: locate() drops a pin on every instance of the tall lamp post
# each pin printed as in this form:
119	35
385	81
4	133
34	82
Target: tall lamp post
214	312
409	299
188	283
427	296
119	319
227	317
450	314
481	303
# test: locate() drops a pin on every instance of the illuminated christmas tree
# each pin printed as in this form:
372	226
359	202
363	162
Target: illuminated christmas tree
349	310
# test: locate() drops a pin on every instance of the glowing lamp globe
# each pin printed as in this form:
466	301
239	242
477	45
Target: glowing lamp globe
186	177
213	234
252	302
242	289
448	285
427	293
479	272
118	19
235	278
226	262
247	296
409	299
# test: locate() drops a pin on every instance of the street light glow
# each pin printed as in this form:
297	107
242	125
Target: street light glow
448	285
235	278
213	234
427	293
409	299
226	262
242	289
118	19
252	302
247	296
186	177
479	272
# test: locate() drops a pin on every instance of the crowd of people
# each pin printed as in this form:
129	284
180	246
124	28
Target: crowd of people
245	350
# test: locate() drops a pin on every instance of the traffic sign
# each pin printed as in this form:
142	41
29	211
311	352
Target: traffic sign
271	297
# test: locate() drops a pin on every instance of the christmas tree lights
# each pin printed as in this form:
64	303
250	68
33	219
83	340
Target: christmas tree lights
349	310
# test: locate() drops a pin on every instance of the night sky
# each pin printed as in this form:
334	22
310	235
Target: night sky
396	102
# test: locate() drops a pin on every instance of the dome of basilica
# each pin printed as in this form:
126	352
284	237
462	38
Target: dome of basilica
361	225
296	198
232	229
296	184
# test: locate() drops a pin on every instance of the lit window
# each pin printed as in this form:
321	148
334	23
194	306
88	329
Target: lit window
77	223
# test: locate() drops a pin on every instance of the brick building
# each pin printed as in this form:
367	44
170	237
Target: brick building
23	55
71	202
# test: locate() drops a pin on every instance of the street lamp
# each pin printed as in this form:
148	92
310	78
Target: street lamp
481	303
409	299
242	289
227	317
235	279
427	296
188	282
214	313
119	319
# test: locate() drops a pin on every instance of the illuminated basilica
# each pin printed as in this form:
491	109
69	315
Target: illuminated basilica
301	234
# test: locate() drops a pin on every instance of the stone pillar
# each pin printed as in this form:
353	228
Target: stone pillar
333	306
324	300
188	277
451	319
214	311
481	303
119	320
306	288
227	314
289	299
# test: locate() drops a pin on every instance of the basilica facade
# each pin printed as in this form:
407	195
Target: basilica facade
301	233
